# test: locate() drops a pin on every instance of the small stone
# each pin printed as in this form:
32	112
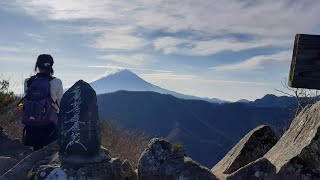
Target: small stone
257	174
42	174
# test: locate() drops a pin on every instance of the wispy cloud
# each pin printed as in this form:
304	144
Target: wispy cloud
15	49
256	62
266	21
17	59
118	41
134	60
36	37
170	45
171	76
130	68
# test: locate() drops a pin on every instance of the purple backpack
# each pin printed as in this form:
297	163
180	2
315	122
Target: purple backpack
37	106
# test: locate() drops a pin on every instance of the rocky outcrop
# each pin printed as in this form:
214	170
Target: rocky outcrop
6	163
297	154
107	169
46	164
12	147
253	146
163	160
261	169
21	170
11	152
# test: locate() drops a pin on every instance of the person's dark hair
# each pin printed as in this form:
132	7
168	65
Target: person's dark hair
44	64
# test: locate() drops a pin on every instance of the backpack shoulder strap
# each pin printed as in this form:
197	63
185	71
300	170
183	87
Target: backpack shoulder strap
29	81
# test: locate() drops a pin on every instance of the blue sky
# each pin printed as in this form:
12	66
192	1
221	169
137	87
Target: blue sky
228	49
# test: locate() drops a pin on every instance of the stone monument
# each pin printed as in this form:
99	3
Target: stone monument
80	131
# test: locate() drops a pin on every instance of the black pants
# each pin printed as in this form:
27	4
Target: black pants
37	137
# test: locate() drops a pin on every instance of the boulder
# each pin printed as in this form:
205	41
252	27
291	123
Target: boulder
80	131
297	153
105	169
162	160
128	170
250	148
192	170
6	163
261	169
12	147
20	170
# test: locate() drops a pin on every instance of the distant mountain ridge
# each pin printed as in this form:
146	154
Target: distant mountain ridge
204	128
129	81
271	100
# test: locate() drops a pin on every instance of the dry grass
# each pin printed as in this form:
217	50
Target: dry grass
8	121
122	142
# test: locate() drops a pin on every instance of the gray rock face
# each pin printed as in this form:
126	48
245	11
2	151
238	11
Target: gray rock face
260	169
253	146
162	160
81	138
20	170
297	153
107	169
129	173
12	147
6	163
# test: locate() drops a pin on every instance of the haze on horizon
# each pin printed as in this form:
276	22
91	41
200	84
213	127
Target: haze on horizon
226	49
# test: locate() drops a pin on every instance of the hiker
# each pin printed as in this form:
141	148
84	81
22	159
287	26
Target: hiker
41	103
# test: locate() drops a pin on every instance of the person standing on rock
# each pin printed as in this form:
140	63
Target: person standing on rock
40	106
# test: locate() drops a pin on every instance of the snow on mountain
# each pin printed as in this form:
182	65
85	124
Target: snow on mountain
129	81
123	80
244	101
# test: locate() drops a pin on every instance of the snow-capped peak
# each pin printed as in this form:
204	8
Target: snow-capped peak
124	79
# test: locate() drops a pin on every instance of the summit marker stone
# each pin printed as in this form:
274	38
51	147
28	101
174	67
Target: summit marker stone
80	132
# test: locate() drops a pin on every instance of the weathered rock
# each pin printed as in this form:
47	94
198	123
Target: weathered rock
12	148
107	169
128	171
297	153
20	170
261	169
81	138
253	146
194	171
162	160
6	163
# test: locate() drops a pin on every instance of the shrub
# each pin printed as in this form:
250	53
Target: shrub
179	146
9	113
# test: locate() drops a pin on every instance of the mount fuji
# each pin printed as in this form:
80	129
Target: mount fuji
129	81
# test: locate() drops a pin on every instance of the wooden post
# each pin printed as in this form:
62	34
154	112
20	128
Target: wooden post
305	64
